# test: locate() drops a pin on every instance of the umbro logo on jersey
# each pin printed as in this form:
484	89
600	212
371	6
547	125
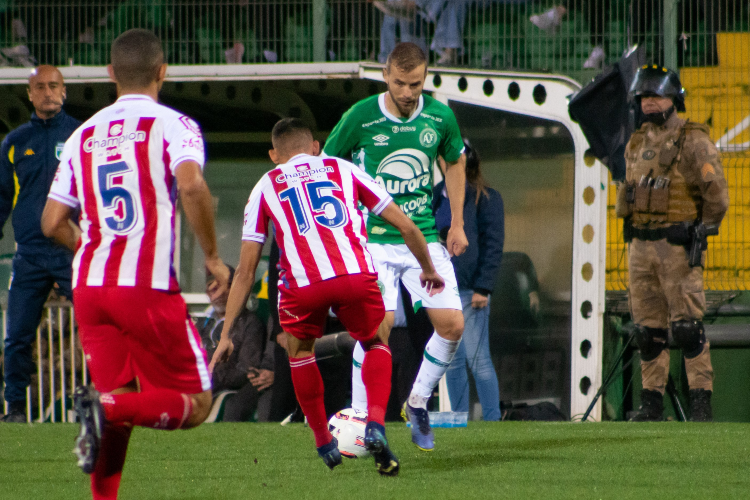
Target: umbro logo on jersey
380	140
29	152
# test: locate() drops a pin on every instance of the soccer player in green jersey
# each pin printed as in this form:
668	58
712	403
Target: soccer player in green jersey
396	137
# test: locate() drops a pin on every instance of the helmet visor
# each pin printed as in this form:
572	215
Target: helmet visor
656	81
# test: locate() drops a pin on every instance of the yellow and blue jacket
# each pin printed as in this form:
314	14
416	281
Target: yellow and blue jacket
29	156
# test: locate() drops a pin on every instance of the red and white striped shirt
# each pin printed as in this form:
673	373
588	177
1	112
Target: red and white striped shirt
119	168
313	203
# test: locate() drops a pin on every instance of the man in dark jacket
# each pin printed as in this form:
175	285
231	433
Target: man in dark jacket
475	271
28	161
249	370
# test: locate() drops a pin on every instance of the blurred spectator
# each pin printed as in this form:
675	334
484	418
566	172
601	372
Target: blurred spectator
475	271
401	15
550	19
412	16
595	15
249	370
18	54
449	17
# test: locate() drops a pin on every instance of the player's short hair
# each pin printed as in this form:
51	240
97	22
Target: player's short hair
406	56
289	134
136	57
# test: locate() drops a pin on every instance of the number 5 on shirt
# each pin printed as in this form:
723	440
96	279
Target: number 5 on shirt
116	199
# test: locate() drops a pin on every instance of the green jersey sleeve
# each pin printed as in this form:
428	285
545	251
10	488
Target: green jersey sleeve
452	144
343	138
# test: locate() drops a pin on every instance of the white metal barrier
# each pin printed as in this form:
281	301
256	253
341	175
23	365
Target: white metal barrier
60	365
60	362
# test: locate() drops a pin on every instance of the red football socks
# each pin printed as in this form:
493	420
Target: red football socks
105	480
308	386
158	408
376	375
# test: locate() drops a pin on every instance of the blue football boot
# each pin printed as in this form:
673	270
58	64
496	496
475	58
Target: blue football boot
330	453
421	432
376	443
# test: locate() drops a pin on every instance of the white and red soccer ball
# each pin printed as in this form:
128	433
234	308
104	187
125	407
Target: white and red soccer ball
348	426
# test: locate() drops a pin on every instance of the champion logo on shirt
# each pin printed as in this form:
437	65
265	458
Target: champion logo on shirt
115	129
113	142
302	172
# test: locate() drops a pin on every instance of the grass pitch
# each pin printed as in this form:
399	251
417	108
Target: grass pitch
486	460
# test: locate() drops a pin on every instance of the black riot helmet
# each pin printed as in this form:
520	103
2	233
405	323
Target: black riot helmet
654	80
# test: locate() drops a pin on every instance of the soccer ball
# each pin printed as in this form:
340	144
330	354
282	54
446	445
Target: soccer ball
348	426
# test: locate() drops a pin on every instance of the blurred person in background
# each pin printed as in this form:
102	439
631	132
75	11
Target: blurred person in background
249	370
412	18
401	15
475	270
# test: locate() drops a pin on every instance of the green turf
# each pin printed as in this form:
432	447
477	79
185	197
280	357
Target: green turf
486	460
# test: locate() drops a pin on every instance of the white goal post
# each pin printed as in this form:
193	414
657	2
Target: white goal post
546	96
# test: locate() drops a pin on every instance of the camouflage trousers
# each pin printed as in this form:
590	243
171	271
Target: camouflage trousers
664	288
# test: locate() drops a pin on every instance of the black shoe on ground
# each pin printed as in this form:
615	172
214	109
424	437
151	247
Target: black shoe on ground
330	453
700	406
652	407
91	415
377	445
14	417
16	413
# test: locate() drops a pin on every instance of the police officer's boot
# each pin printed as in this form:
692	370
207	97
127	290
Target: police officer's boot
700	406
652	407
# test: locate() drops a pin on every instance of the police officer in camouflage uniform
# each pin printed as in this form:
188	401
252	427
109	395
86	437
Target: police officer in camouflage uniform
675	192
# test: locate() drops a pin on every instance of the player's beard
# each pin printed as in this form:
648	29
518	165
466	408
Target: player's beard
405	108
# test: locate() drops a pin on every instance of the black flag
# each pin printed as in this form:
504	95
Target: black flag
604	109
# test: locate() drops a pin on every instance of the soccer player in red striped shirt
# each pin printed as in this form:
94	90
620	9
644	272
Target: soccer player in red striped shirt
124	168
313	204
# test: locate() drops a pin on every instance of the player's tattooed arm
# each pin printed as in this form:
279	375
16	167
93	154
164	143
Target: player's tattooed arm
198	205
455	184
56	224
242	284
416	242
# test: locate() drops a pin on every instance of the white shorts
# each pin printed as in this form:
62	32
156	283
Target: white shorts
396	262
